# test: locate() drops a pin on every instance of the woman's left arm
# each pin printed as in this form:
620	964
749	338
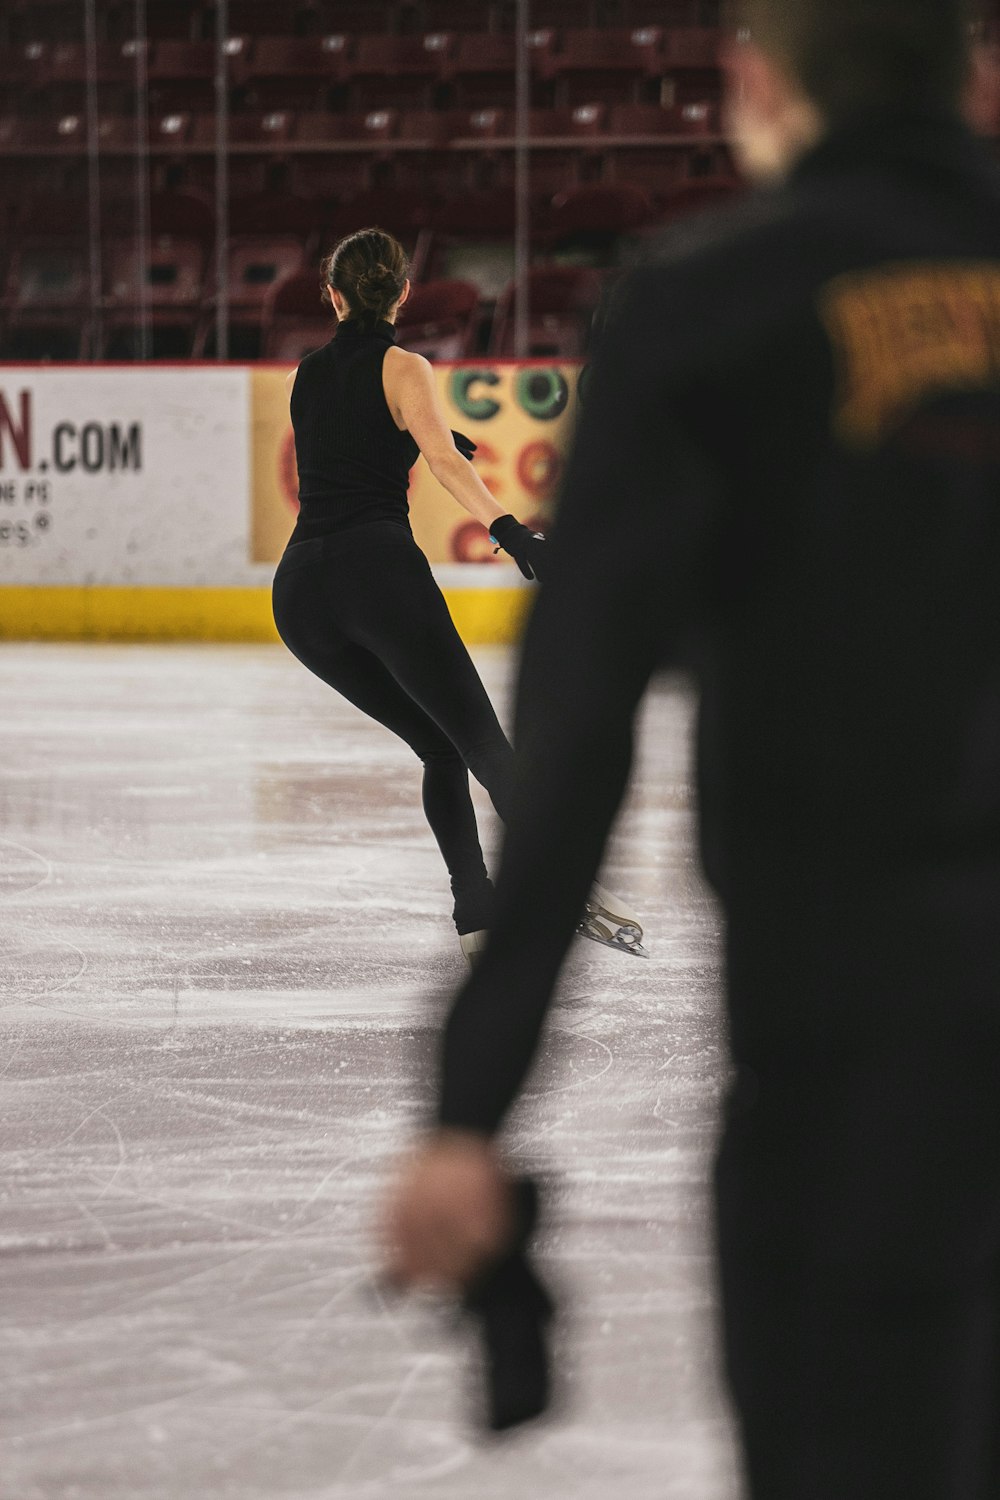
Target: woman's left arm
413	398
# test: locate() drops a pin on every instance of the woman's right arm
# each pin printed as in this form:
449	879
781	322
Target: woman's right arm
413	399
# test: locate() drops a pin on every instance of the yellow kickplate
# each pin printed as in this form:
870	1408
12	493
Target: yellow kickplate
484	616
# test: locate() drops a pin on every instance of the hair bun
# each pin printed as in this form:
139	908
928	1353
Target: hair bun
376	283
369	268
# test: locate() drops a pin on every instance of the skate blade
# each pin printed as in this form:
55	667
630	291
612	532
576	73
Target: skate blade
623	937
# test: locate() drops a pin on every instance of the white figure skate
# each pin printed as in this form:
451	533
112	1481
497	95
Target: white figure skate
609	921
473	944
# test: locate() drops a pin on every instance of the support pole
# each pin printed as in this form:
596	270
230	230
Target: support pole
95	269
221	180
142	220
522	180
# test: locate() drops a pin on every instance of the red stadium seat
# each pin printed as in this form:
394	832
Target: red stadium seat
426	127
59	82
483	215
23	176
47	299
352	16
296	72
255	265
55	220
63	132
117	133
182	74
700	119
330	177
693	47
568	146
182	215
263	17
480	125
45	20
166	20
24	66
561	302
671	12
660	149
323	179
372	128
400	70
561	13
282	214
170	129
600	209
473	237
590	221
485	63
699	193
294	321
480	154
175	268
8	134
402	213
268	130
583	120
399	212
426	160
439	319
691	65
454	15
340	155
484	70
611	64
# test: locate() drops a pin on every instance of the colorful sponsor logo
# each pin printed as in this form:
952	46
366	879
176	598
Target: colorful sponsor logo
520	418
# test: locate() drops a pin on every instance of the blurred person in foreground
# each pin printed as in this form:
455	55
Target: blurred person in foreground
788	476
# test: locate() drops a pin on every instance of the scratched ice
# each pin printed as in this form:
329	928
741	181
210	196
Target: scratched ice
225	943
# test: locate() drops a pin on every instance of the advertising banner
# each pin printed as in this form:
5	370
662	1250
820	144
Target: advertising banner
519	415
154	501
118	476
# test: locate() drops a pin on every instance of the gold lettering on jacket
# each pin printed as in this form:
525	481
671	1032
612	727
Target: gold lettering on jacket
904	334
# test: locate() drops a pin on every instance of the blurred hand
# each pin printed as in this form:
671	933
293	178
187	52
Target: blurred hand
449	1212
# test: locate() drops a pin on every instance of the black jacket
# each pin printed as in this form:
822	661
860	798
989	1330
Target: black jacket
787	474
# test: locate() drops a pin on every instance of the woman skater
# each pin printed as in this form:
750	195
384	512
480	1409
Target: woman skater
354	596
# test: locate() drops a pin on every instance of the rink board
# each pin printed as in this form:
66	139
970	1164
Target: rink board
483	615
153	502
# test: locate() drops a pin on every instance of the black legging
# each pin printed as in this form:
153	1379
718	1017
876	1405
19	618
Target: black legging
361	610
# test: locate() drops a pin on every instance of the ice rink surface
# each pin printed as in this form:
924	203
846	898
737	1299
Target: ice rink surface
224	948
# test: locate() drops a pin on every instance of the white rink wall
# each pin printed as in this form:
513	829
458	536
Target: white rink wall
121	476
153	502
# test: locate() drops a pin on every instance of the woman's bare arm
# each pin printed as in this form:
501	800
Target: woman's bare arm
411	392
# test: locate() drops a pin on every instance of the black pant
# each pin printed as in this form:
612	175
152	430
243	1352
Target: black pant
361	610
858	1191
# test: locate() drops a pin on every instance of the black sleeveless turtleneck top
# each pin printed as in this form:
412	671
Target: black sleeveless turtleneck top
353	461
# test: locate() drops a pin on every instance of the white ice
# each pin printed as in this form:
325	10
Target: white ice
224	946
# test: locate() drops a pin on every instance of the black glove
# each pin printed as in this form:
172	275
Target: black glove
464	445
527	548
513	1310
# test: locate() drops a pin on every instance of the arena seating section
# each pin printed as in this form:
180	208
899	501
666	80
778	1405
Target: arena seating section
360	111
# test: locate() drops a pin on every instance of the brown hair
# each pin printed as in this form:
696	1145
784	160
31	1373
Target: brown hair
854	57
369	268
